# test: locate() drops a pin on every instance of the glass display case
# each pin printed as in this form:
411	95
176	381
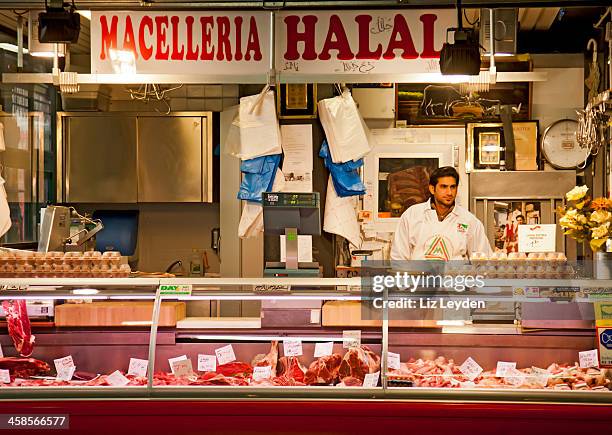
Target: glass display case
138	338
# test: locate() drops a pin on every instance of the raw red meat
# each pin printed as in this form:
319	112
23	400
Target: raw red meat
324	370
270	359
349	381
19	326
235	369
358	361
24	367
289	367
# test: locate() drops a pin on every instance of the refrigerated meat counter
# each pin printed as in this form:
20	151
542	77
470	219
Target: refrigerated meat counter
347	374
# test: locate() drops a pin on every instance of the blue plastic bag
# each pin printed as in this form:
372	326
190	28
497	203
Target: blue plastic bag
258	176
345	176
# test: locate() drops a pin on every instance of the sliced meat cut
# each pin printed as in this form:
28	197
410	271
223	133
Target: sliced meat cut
289	367
359	361
24	367
270	359
235	369
19	326
324	370
349	381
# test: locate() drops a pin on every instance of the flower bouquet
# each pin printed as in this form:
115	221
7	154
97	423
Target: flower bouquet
585	219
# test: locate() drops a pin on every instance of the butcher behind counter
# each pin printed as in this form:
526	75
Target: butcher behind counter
439	229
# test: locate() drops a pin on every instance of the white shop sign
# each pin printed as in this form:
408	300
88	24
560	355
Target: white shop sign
361	42
173	42
537	238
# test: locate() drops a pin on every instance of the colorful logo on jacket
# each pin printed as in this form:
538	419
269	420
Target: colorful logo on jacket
462	228
438	249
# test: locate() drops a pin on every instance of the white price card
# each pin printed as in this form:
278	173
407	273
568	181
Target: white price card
183	368
62	363
393	360
515	377
540	376
171	361
65	373
503	367
588	358
292	347
371	380
207	363
1	353
138	367
5	376
262	372
470	369
225	354
116	379
351	339
324	349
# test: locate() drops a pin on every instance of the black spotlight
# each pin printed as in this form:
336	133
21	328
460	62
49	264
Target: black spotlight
59	23
463	56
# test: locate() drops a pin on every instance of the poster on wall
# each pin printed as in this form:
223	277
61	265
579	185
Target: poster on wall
360	42
172	42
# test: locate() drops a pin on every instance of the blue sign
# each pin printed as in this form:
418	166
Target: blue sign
605	338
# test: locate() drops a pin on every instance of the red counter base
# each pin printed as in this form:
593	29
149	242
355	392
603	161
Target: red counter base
91	417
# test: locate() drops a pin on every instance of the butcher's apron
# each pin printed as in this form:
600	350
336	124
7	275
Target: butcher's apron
435	240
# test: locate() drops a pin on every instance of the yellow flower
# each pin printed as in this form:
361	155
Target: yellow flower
601	216
577	193
601	231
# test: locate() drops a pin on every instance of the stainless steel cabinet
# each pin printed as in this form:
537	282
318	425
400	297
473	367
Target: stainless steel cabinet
100	164
119	157
170	159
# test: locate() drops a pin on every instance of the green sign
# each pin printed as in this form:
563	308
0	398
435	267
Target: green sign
176	290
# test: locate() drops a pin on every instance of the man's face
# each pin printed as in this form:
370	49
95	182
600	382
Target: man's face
445	191
520	220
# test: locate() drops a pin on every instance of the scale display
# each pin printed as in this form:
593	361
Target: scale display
288	199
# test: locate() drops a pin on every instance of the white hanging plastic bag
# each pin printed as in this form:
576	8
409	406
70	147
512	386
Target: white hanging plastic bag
5	214
259	130
344	128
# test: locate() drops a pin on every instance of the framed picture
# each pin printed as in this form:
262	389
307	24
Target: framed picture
490	148
296	101
486	146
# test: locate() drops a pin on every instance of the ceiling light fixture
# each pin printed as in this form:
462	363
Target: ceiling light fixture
462	57
59	23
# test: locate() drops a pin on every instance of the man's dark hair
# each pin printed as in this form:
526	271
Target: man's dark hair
520	216
444	171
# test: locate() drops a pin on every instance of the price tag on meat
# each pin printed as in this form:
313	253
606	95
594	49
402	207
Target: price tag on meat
207	363
540	376
503	368
63	363
1	353
515	377
171	361
263	372
65	373
393	360
324	349
470	368
292	347
183	368
225	354
116	379
371	380
5	376
138	367
351	339
588	358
